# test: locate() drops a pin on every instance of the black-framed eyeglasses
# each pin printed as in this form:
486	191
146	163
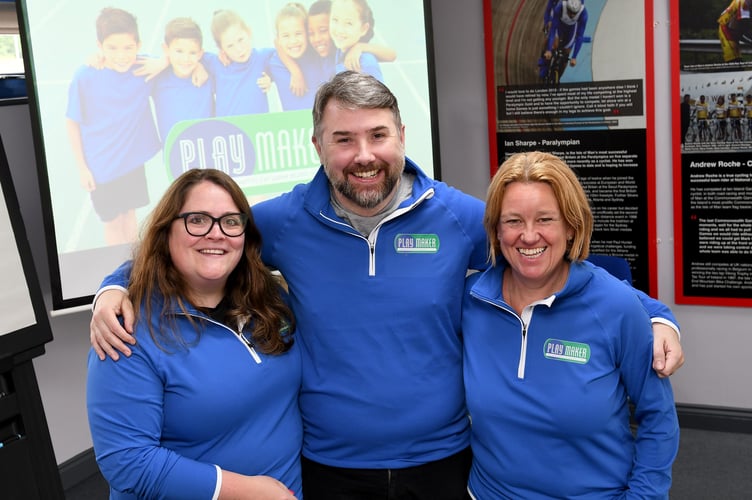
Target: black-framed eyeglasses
200	223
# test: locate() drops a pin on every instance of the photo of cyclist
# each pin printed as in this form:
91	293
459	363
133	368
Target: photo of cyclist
567	33
735	111
734	26
748	117
701	114
720	114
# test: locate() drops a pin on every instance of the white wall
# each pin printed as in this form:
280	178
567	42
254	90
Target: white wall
716	340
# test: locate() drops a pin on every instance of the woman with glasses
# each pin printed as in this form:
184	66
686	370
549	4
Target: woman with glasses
207	405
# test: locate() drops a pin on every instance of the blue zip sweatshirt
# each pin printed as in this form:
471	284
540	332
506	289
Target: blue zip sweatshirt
382	358
162	422
547	393
379	320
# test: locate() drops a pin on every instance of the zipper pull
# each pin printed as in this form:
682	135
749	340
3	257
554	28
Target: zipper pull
248	342
255	355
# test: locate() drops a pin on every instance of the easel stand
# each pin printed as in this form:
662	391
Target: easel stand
28	469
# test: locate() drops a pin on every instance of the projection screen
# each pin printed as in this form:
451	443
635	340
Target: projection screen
77	82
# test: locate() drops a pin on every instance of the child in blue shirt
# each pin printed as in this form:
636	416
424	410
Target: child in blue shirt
237	83
351	22
175	96
319	63
292	55
111	129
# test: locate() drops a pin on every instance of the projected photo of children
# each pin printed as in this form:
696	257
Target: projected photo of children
149	92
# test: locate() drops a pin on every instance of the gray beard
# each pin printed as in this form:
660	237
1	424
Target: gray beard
370	198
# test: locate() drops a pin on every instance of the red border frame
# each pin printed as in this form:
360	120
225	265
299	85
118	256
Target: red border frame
649	125
490	85
679	296
650	149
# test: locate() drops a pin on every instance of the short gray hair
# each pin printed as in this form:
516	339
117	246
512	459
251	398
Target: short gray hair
354	90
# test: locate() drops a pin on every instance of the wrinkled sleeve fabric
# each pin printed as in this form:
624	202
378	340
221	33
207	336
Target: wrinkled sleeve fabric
124	403
658	311
657	440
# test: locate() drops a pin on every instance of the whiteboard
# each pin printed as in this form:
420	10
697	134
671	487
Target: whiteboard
24	324
16	309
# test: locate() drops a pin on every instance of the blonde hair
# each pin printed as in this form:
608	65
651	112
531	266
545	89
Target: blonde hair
537	166
222	20
294	10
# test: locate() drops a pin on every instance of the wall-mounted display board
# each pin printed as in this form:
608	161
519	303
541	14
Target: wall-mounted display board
28	469
712	91
90	143
579	84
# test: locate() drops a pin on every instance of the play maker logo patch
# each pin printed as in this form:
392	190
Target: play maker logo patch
563	350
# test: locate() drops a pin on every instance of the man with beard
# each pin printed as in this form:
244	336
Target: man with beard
375	254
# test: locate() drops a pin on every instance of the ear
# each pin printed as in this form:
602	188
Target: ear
317	145
364	30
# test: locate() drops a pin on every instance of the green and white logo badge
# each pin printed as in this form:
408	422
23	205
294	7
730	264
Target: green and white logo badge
562	350
416	243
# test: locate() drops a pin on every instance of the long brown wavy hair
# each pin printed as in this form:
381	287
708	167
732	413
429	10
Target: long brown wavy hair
252	292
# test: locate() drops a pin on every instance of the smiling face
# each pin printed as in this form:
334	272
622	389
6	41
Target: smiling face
235	41
363	153
318	34
346	24
119	51
533	235
205	262
184	55
292	36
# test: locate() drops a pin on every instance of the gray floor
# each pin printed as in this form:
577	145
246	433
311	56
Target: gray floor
710	465
713	465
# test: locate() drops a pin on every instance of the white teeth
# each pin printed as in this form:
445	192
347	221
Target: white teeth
213	251
363	175
531	252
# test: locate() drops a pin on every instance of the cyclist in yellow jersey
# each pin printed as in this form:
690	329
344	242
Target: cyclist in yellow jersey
733	24
735	110
701	115
748	115
720	113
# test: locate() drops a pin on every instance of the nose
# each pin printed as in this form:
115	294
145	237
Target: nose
364	155
214	231
529	234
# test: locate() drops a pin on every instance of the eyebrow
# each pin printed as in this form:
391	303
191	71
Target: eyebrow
378	128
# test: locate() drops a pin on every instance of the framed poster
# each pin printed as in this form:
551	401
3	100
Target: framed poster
564	81
712	86
109	141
